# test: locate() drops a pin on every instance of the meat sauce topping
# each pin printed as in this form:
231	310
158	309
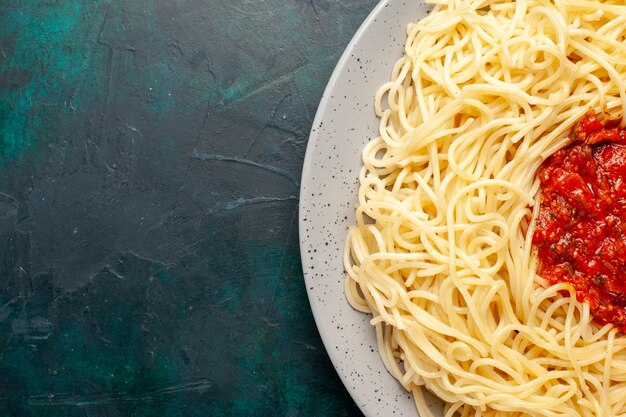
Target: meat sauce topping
581	227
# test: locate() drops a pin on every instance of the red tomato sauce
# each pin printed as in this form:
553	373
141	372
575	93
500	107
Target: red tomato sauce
581	228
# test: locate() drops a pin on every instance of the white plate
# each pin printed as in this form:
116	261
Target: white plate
344	123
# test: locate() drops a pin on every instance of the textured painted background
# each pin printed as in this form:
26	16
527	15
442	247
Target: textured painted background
150	155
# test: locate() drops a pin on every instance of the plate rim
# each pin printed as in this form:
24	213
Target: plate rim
307	168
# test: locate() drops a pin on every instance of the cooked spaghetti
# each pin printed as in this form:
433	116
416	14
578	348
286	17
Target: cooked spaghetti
442	252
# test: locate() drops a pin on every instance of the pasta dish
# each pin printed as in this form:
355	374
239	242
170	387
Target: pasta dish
466	248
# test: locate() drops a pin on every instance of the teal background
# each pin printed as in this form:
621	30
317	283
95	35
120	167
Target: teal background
150	157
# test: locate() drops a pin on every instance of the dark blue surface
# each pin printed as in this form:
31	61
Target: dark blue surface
150	156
